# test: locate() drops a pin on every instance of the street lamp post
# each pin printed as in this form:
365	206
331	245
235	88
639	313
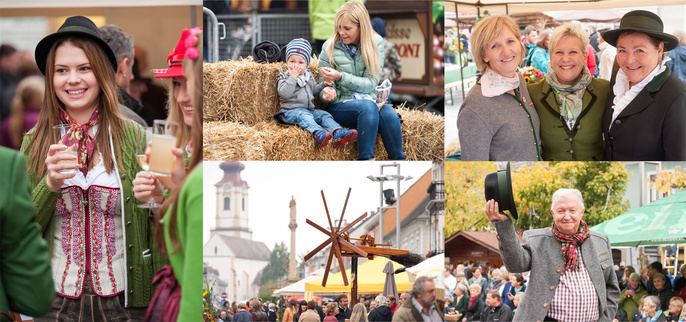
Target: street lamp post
381	179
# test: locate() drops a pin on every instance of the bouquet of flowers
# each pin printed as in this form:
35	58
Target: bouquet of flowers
209	311
532	75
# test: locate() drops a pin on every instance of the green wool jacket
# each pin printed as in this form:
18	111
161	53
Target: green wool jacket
26	284
186	262
629	303
139	227
584	142
355	76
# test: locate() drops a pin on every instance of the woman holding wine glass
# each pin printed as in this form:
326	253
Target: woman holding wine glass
101	257
181	108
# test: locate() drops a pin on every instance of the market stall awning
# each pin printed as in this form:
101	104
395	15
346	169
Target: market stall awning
601	15
371	279
660	222
298	288
509	7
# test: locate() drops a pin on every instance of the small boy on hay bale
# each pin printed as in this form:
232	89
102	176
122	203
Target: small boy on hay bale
296	88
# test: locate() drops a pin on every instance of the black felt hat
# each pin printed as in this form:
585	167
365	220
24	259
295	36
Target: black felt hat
73	26
498	186
645	22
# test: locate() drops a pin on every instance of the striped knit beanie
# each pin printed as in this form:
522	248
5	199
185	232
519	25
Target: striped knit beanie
301	47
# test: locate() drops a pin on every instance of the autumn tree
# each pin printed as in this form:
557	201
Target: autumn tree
602	185
667	181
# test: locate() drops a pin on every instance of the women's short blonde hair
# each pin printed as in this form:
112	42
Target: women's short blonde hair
475	287
485	31
569	30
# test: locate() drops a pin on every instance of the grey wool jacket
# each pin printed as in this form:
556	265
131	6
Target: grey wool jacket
540	253
292	95
499	128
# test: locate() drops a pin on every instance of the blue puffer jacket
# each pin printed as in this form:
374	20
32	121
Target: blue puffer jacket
356	77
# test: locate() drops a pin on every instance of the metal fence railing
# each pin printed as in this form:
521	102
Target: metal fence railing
243	32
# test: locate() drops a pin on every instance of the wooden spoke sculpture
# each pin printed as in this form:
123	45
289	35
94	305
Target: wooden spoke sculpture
341	245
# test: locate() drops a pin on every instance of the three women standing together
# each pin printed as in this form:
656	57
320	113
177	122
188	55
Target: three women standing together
571	115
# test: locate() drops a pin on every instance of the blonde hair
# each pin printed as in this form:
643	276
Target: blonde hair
330	308
485	31
359	313
183	134
677	300
569	30
109	115
475	287
357	14
29	88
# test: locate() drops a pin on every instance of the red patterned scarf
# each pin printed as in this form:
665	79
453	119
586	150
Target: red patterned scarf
79	136
570	243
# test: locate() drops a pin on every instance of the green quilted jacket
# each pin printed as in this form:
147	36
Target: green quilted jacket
139	228
355	76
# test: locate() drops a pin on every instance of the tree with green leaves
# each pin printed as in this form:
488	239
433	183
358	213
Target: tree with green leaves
275	270
602	185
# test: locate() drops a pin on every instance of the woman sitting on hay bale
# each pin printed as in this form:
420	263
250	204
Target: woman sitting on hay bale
352	58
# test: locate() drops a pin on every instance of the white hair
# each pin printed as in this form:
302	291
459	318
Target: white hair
496	271
652	300
567	192
381	300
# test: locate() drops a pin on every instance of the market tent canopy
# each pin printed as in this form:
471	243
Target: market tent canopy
601	15
660	222
298	288
472	7
370	279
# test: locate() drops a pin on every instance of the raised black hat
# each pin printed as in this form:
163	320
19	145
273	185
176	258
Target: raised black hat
498	186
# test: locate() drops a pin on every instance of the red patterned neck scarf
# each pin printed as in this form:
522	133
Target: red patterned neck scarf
570	243
85	144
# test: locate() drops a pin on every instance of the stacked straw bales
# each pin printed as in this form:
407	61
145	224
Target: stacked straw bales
240	99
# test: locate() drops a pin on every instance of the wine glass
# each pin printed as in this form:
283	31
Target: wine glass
142	143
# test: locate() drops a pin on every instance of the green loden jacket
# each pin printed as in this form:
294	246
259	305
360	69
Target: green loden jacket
584	142
26	284
139	227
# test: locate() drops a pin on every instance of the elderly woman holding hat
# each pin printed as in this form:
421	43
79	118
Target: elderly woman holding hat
497	121
570	102
646	110
101	255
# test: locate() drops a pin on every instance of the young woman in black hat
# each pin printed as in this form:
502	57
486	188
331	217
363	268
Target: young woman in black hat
645	112
102	257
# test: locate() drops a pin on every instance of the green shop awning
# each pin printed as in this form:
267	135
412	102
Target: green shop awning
661	222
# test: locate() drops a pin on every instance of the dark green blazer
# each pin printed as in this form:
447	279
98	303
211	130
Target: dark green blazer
26	284
584	141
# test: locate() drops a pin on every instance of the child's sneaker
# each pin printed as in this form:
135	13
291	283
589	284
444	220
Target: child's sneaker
322	138
343	136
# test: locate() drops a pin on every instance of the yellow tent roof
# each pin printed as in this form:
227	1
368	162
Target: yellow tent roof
370	279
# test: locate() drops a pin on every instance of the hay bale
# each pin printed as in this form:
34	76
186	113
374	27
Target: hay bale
244	91
267	141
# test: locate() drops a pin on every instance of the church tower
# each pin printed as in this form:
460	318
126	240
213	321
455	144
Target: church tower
232	202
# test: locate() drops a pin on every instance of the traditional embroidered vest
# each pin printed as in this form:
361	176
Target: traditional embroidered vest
89	239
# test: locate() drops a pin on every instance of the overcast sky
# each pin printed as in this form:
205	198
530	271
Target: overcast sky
272	184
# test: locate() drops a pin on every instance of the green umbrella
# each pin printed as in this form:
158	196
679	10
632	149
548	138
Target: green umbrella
661	222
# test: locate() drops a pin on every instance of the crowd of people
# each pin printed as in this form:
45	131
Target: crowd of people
494	295
419	304
98	254
581	108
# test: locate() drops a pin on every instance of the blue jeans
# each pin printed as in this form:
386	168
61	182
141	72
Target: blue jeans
312	120
365	116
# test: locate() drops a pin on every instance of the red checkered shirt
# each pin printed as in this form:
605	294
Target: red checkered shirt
575	298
